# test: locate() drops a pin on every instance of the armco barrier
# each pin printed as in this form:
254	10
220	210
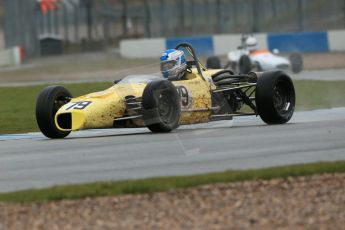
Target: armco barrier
336	40
142	48
303	42
223	43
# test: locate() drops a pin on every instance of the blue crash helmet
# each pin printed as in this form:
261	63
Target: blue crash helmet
173	64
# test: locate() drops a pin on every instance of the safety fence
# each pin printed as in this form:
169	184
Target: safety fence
64	26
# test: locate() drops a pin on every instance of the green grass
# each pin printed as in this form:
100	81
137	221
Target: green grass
75	66
319	94
167	183
17	107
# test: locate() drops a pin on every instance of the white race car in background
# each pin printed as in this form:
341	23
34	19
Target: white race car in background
247	58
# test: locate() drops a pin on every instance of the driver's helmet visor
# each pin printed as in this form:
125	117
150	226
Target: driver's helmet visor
168	65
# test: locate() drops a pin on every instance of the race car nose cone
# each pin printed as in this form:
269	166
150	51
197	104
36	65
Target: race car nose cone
70	121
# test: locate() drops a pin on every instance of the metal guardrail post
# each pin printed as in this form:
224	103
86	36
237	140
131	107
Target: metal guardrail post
148	32
219	16
162	6
183	17
89	18
75	19
193	15
344	13
65	23
124	17
255	6
300	15
8	24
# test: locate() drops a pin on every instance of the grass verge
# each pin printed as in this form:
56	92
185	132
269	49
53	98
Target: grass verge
17	108
319	94
74	66
167	183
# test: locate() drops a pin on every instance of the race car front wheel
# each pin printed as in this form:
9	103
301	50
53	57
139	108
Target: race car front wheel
275	97
48	103
161	106
296	61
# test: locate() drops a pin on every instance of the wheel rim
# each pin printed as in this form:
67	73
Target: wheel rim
282	98
58	103
165	106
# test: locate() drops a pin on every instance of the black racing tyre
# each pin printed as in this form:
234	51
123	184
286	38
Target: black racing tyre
296	61
49	101
161	106
245	64
213	63
275	97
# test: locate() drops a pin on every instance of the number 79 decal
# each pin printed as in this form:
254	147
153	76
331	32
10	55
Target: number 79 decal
78	105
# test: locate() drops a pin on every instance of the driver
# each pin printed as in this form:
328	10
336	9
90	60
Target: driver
251	44
173	64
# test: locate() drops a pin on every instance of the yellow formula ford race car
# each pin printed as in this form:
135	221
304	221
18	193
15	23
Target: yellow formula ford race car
162	105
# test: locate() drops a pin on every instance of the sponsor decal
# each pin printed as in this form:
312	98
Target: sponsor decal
80	105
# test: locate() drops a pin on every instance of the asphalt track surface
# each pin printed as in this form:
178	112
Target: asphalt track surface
33	161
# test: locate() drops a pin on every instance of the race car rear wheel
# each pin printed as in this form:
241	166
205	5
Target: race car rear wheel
213	63
296	61
275	97
161	106
245	64
49	101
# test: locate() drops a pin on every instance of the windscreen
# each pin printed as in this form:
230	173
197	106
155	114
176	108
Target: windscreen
135	79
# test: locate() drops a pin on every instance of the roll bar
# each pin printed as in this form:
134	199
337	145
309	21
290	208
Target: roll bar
196	62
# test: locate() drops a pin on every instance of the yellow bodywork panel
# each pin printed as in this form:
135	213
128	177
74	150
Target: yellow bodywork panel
98	110
199	98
